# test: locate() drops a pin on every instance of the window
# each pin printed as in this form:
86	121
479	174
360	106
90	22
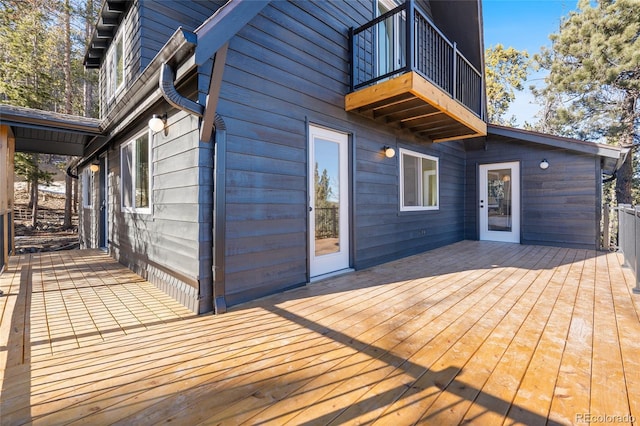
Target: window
135	175
87	187
115	67
419	184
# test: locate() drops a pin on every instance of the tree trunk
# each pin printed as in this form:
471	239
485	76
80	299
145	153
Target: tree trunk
68	89
87	83
68	105
624	175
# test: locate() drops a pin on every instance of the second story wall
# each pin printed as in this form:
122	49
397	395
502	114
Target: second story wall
120	63
144	29
160	19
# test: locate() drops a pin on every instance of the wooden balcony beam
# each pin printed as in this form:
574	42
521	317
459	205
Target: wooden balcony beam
409	101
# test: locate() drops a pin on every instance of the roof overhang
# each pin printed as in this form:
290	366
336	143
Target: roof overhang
109	19
612	157
49	132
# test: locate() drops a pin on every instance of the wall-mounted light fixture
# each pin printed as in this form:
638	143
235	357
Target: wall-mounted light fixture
388	151
544	164
158	123
94	167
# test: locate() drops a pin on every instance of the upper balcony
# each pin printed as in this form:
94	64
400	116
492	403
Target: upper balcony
412	77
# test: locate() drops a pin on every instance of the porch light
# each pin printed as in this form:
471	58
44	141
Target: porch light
388	151
544	164
158	123
94	167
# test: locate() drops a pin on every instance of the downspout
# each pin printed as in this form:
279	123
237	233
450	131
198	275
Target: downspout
219	216
210	122
212	39
76	162
171	95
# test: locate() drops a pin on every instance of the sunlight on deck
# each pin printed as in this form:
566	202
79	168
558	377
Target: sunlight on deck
474	332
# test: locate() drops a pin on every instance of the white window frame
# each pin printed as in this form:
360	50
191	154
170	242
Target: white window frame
133	174
112	68
87	188
421	156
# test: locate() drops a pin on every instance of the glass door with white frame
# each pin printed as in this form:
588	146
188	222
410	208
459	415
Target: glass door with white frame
329	201
499	196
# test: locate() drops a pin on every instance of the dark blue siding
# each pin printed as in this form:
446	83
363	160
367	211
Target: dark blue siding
289	66
560	205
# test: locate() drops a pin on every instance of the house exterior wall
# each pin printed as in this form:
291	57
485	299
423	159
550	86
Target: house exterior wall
166	246
559	206
287	68
145	29
160	19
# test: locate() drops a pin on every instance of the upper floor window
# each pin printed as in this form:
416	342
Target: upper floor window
115	67
419	181
135	175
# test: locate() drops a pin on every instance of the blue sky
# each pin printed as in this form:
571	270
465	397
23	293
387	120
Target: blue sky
525	25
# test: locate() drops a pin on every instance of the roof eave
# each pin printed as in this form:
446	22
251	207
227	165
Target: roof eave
46	120
577	145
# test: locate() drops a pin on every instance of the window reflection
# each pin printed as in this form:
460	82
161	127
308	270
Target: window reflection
499	200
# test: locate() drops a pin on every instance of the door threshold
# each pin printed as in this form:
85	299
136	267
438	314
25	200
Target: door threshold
330	275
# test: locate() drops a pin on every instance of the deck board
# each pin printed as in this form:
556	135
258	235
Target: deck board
478	332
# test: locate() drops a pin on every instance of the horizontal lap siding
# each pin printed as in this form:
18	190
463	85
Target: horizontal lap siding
290	65
560	205
160	19
285	66
383	231
170	236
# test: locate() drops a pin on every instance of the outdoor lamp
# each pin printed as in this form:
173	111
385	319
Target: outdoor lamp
158	123
544	164
94	167
389	152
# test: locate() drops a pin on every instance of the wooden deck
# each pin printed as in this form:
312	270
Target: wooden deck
478	332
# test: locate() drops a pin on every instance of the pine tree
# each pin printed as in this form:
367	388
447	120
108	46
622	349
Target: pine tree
593	88
506	70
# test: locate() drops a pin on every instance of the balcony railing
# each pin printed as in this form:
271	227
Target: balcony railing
387	47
